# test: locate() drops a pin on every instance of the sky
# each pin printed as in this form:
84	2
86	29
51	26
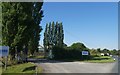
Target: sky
81	0
93	23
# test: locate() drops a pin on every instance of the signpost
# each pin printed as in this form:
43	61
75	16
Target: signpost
4	51
85	53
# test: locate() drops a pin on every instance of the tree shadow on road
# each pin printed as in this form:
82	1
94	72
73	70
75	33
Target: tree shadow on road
51	61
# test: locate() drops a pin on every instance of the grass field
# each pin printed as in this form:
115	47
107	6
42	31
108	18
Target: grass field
101	59
37	57
39	69
21	68
98	59
0	70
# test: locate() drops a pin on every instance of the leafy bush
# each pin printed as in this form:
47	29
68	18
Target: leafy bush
68	53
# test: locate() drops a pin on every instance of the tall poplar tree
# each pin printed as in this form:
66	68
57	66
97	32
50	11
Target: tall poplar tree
53	35
20	25
37	14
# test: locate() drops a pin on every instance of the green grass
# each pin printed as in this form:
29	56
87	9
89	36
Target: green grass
101	59
0	70
94	59
21	68
39	69
37	57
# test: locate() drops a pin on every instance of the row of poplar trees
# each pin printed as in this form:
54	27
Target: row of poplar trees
21	26
53	35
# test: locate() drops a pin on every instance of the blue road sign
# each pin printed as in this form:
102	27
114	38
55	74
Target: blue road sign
85	53
4	50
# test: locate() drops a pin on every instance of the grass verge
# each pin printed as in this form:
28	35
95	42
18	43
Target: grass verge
39	69
37	57
26	68
101	59
94	59
0	70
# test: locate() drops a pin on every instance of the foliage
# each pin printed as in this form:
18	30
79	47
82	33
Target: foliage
72	52
37	17
101	59
37	57
53	35
39	69
20	26
94	52
99	50
114	52
62	53
78	46
20	68
105	51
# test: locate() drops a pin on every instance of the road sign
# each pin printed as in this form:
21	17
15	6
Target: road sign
4	50
85	53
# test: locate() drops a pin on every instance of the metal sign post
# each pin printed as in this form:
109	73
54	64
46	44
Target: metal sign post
5	62
4	51
86	53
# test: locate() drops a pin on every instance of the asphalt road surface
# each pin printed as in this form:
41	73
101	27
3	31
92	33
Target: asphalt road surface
77	67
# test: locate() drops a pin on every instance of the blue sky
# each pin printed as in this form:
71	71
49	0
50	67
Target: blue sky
81	0
93	23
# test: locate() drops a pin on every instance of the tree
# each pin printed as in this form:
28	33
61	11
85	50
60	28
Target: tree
37	15
105	51
56	34
20	24
65	45
61	35
14	19
99	50
53	35
79	46
46	40
114	52
94	52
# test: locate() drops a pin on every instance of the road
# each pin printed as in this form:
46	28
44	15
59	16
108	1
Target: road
77	67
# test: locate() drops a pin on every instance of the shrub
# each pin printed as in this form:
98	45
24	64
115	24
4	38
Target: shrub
68	53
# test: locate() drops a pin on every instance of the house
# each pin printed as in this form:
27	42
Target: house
102	54
41	48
